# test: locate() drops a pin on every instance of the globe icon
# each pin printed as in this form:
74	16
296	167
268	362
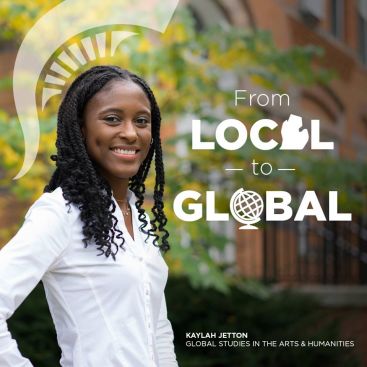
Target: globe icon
246	207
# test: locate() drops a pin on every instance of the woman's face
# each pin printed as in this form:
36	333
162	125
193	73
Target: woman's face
117	129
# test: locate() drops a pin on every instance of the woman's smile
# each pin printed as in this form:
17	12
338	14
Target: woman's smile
125	152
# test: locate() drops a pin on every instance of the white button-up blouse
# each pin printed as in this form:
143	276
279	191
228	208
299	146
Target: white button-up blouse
106	313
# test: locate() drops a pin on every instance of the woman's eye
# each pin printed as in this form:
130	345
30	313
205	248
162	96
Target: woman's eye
112	119
142	120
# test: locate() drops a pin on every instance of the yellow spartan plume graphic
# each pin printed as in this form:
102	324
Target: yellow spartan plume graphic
73	57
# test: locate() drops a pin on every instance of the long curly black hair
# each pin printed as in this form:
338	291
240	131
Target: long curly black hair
79	178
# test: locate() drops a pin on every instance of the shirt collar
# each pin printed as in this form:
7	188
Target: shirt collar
131	197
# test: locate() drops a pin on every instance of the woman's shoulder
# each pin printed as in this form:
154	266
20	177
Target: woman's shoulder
46	230
52	204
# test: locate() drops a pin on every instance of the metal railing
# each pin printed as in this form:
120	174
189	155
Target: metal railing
315	252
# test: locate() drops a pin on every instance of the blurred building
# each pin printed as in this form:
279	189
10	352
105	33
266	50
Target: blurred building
334	253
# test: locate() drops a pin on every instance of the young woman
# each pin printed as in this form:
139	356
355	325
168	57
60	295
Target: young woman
88	237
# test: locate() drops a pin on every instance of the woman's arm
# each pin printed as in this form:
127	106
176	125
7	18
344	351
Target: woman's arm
24	260
164	339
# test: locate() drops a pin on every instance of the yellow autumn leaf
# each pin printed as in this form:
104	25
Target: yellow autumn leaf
175	33
144	45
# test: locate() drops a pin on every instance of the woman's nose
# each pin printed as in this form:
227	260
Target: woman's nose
128	130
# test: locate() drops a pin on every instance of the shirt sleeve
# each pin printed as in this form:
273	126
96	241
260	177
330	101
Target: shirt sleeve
23	262
164	339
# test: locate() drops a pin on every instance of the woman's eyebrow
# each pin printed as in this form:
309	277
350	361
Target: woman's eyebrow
111	109
114	109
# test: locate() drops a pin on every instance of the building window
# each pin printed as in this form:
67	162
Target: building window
337	18
207	13
312	11
362	30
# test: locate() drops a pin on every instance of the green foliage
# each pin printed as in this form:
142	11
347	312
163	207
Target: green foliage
18	16
33	329
11	157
